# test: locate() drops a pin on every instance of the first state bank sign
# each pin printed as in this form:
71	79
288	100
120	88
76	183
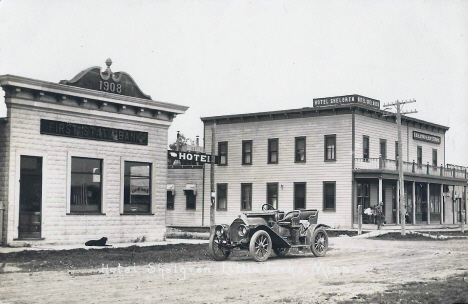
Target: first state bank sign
60	128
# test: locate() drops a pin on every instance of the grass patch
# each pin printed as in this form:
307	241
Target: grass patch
451	290
337	233
446	233
191	229
40	260
396	236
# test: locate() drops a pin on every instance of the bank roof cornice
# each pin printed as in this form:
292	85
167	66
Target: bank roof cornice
57	88
281	114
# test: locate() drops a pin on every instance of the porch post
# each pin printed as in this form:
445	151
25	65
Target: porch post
414	203
428	204
380	189
453	205
442	211
465	203
398	202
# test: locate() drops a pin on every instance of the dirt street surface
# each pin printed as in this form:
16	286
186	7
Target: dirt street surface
351	267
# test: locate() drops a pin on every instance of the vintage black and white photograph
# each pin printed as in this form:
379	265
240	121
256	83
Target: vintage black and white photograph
244	151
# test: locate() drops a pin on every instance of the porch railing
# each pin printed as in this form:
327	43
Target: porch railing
410	167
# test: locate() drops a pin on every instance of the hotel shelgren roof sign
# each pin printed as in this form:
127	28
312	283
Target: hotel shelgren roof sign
426	137
347	99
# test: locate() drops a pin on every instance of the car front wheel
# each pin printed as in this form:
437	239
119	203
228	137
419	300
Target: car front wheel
218	252
260	246
319	244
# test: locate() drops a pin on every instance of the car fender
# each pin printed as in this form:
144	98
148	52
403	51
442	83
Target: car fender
311	230
276	239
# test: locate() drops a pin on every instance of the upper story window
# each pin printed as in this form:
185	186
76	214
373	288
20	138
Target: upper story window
246	197
137	187
299	196
300	149
246	152
223	153
330	147
273	151
434	157
383	148
419	155
86	185
365	147
221	197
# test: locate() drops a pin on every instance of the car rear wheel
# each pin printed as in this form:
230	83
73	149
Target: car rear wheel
281	252
319	244
260	246
218	252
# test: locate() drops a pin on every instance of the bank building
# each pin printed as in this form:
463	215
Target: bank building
83	158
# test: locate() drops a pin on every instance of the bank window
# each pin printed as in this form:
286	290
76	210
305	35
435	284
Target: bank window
246	197
246	152
365	148
273	151
419	154
86	185
137	187
329	195
300	148
434	157
330	147
221	197
299	196
272	194
363	195
383	148
223	153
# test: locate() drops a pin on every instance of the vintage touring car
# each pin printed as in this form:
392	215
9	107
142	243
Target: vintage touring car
270	230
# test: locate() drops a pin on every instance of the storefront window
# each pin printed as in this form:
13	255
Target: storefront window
137	187
272	194
86	185
329	195
363	195
221	193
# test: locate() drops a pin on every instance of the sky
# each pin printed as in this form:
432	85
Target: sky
231	57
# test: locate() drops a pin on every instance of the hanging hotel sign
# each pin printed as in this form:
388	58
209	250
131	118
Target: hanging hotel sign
348	99
426	137
190	156
60	128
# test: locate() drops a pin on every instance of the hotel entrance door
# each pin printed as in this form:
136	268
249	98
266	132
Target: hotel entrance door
30	197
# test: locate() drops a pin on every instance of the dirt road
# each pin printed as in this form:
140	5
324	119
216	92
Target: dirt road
351	267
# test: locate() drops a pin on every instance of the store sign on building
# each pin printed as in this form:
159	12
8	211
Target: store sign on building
348	99
190	156
426	137
60	128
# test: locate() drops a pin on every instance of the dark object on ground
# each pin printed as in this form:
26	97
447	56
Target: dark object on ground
100	242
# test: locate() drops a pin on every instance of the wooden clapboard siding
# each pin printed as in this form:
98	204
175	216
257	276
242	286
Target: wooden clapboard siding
314	172
180	216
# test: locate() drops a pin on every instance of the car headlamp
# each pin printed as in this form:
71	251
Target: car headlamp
219	231
242	230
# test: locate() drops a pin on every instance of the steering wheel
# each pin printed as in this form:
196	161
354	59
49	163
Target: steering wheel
266	207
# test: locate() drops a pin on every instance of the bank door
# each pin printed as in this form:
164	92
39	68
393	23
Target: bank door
30	197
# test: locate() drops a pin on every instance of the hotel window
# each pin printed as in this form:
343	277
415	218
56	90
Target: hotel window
246	197
272	194
365	148
383	148
221	197
170	197
300	149
363	195
330	147
246	152
223	153
137	187
190	200
396	150
419	160
273	151
86	185
299	196
329	195
434	158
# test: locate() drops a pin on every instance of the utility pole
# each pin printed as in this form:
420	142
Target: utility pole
212	192
398	105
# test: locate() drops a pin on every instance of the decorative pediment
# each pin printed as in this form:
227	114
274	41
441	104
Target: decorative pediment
119	83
